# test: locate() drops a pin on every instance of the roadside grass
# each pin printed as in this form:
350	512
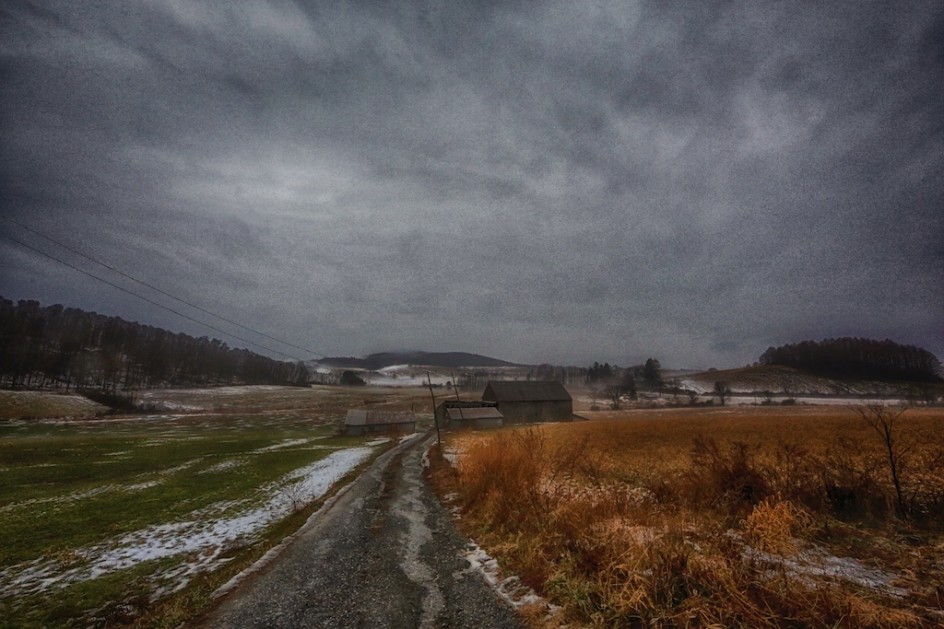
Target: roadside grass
68	491
736	518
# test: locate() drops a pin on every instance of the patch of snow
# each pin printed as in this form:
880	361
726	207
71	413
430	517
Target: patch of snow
223	466
510	588
73	497
231	390
403	376
409	437
689	384
286	443
177	406
452	456
139	486
377	442
817	562
180	468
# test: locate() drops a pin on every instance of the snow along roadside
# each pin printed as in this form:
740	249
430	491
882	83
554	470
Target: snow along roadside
199	541
276	550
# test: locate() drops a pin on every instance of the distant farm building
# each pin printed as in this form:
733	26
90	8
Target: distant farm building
469	414
530	401
374	422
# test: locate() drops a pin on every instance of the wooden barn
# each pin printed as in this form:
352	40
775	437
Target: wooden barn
374	422
530	401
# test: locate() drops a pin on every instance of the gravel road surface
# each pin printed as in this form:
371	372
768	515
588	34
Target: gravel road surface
385	554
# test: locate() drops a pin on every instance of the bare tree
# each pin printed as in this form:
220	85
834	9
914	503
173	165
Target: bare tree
293	494
614	393
723	391
885	423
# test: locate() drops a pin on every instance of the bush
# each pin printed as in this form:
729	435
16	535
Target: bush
351	379
728	476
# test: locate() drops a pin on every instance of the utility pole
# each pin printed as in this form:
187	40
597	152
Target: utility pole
435	419
455	385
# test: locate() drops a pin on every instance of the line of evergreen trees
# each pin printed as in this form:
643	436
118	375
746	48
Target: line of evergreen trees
55	347
858	358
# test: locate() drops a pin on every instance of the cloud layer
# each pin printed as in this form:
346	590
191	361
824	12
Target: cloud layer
539	181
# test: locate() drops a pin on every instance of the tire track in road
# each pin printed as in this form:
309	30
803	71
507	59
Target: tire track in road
409	506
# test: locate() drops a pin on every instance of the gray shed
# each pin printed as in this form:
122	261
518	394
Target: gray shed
474	417
530	401
372	422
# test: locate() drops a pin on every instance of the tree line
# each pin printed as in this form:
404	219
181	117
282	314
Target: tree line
857	358
55	347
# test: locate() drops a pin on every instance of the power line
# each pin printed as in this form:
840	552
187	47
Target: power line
150	301
162	292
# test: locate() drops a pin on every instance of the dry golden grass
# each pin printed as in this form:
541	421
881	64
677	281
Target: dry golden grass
730	517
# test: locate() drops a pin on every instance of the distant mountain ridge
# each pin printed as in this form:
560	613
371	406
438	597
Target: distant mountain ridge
430	359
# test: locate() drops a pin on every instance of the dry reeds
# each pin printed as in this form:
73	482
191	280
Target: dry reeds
642	524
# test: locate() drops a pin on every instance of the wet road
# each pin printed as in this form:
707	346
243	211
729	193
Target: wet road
385	554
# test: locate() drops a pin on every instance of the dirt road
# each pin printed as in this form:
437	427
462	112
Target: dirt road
384	554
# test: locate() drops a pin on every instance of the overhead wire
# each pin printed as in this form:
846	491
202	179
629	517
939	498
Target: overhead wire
161	291
150	301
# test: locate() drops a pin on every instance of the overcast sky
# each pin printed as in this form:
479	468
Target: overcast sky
561	182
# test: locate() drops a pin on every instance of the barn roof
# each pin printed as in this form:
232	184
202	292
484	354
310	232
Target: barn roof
473	413
527	391
378	418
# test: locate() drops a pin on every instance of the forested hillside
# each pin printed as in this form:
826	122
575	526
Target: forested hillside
55	347
857	358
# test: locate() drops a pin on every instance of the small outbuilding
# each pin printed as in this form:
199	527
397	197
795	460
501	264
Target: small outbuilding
378	422
530	401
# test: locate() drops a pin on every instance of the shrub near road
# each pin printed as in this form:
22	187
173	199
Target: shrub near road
748	517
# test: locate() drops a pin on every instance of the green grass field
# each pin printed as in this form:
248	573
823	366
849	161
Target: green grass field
102	520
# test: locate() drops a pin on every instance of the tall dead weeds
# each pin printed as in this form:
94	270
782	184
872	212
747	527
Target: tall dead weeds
616	540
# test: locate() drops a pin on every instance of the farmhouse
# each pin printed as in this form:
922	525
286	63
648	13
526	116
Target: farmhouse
530	401
373	422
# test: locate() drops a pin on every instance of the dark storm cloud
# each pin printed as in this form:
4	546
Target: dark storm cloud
539	181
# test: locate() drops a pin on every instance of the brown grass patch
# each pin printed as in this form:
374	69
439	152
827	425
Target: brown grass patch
737	518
